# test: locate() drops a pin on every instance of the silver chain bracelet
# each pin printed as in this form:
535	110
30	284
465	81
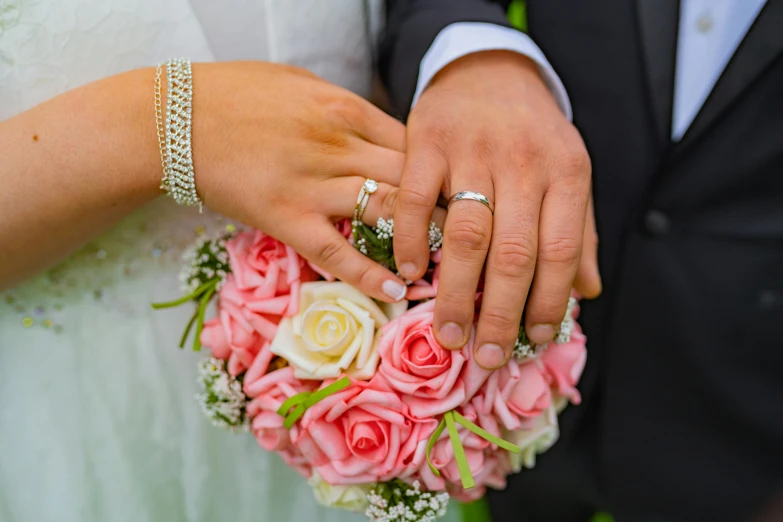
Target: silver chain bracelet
174	138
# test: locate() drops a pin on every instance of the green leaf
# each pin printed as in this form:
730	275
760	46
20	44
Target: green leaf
433	439
304	400
459	452
202	310
517	15
379	250
522	337
484	434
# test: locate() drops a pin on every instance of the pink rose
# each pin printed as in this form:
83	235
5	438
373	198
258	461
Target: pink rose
268	392
516	392
483	460
564	363
361	434
269	270
431	379
232	337
237	334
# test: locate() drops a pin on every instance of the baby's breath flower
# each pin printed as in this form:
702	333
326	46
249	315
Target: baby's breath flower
397	501
205	261
377	242
435	237
223	401
523	348
567	326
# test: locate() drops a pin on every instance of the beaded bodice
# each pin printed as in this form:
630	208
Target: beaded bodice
50	46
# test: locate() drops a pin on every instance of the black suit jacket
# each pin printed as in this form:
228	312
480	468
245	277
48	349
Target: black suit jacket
683	410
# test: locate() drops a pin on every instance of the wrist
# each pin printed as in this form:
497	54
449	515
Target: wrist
137	91
119	134
504	70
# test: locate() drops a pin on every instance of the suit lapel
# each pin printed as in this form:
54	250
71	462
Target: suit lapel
761	46
658	21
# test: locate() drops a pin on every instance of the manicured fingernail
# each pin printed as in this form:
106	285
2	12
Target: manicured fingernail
394	289
408	270
541	333
451	335
490	356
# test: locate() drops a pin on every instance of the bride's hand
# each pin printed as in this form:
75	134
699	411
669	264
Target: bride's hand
286	152
274	147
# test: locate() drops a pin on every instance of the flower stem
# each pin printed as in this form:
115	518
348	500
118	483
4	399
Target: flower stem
202	309
194	295
187	329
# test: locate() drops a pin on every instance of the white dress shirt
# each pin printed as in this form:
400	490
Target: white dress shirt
709	33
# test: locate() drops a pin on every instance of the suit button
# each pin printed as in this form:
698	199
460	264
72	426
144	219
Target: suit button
657	223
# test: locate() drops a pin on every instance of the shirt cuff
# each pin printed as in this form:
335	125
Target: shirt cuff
463	38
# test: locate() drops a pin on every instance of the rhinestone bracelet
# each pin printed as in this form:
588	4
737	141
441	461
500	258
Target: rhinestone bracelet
175	138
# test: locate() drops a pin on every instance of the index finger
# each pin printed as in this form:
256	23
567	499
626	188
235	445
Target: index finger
422	179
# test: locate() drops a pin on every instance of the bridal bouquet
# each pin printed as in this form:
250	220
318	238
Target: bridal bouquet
357	396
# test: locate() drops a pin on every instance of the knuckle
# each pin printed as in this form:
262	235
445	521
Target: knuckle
513	256
347	109
405	235
483	147
413	196
432	121
455	305
362	277
560	251
504	324
549	311
573	157
576	163
330	253
389	203
467	235
440	131
526	150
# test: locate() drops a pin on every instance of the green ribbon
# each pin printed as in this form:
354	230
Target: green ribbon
296	406
203	293
449	422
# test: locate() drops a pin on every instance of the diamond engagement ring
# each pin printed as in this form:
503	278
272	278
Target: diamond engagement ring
368	188
472	196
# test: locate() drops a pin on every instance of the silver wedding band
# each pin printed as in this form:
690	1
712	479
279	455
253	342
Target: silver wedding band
368	188
472	196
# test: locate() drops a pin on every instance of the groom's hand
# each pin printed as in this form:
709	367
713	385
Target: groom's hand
487	123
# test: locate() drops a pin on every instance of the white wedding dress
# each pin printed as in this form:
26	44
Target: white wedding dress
98	421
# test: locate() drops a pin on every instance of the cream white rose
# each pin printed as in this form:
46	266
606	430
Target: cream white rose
353	498
333	333
535	440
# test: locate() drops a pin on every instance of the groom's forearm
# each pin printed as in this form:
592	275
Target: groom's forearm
411	28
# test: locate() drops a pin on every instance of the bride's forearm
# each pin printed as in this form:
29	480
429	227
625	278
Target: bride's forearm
72	167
